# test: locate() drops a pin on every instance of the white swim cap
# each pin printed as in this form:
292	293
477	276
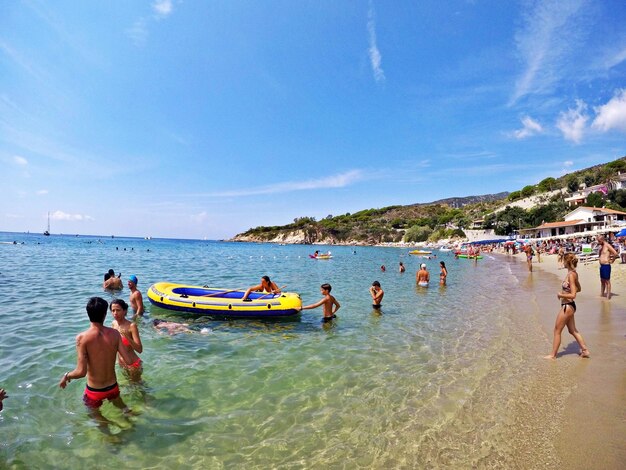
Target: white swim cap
422	265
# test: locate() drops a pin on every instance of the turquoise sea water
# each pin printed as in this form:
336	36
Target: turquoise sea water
427	383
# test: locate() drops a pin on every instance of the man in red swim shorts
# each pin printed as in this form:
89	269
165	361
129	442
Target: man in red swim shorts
96	349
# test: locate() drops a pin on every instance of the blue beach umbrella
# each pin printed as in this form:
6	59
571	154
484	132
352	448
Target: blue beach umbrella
621	233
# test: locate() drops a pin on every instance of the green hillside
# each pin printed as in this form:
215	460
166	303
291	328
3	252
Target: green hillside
449	217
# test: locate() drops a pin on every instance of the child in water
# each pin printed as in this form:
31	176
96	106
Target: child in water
130	339
377	294
328	301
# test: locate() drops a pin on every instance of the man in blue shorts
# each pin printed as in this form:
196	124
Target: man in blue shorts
606	255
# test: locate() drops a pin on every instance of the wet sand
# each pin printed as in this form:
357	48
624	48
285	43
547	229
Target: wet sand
591	428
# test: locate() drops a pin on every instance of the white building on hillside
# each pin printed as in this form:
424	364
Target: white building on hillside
580	222
579	198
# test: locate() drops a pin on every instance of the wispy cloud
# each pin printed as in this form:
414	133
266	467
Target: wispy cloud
42	192
615	58
20	160
336	181
548	37
572	122
199	218
162	8
138	32
530	128
472	155
612	115
60	215
374	53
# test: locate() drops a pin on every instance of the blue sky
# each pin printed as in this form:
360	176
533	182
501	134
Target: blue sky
198	119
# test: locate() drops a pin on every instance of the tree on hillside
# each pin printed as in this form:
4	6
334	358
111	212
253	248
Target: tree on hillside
514	195
528	191
547	184
618	196
595	200
616	165
590	179
554	210
417	233
572	183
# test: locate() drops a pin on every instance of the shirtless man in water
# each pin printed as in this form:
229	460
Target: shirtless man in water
113	282
96	350
135	300
607	255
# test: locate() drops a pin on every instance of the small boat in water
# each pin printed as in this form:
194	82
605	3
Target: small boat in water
47	231
420	252
227	303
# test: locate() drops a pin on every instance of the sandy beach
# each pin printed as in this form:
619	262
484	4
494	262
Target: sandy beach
592	429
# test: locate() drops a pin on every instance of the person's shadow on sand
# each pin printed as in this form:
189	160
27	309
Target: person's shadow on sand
571	348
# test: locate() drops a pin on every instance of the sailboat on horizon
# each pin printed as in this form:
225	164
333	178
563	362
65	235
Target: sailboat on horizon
47	232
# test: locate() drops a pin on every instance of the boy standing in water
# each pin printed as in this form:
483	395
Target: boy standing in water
377	294
328	301
96	349
136	300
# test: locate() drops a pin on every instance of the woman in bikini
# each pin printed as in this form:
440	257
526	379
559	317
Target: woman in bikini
565	317
130	339
443	274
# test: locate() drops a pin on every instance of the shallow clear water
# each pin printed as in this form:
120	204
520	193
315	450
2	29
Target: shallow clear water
426	383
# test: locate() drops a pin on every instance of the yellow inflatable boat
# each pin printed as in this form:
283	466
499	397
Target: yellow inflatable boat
223	302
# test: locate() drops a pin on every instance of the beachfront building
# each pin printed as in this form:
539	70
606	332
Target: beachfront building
582	221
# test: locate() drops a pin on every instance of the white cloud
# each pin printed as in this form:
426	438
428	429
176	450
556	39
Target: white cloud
616	58
612	115
20	160
138	32
336	181
549	36
199	218
531	127
374	53
60	215
568	163
42	192
573	121
162	8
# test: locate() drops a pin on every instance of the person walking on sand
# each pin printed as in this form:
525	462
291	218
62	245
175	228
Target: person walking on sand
422	277
96	349
130	339
529	256
328	301
377	294
565	317
606	256
443	274
266	285
135	300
